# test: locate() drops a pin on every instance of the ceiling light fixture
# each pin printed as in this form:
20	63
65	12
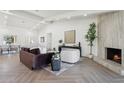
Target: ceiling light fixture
37	10
57	19
23	21
85	14
5	16
5	22
43	22
68	17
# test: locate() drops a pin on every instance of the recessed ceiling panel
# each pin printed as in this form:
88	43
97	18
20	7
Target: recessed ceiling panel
20	22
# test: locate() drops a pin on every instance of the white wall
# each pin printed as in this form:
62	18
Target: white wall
24	36
111	32
81	26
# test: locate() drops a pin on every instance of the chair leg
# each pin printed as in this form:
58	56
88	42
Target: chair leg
32	68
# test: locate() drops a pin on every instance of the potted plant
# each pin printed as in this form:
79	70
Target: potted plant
9	39
56	56
91	36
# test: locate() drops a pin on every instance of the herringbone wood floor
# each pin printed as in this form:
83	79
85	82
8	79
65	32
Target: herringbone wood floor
11	70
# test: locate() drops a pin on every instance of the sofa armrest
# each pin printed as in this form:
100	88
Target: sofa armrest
49	57
27	59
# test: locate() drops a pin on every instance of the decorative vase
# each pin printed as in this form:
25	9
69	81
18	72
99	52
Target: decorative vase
56	62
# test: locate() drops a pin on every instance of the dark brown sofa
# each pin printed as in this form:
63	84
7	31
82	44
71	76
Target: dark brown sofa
33	59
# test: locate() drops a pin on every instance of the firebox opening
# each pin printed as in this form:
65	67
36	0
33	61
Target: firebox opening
114	55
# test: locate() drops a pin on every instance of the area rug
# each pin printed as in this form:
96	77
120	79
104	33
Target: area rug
64	67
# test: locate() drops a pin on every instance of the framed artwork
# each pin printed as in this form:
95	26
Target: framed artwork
42	39
69	36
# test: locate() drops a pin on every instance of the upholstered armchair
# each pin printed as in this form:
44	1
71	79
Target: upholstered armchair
14	48
5	48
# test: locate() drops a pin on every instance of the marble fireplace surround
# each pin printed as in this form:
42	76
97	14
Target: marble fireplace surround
110	34
116	67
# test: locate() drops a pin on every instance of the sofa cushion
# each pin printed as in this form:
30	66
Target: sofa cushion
25	49
35	51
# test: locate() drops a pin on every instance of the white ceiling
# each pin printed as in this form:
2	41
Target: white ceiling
30	19
49	13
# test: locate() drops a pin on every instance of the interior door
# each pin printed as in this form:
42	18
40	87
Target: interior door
49	41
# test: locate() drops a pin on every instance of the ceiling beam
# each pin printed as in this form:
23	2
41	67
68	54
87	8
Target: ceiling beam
7	12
